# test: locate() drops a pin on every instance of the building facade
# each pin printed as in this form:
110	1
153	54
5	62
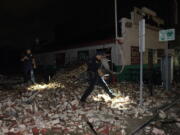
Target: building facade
128	43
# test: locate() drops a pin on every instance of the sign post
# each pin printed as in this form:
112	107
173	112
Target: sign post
141	50
165	36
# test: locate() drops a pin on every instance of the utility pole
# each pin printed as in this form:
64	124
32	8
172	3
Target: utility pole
141	50
116	20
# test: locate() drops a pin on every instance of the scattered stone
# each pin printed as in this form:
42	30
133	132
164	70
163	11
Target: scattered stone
162	114
41	108
157	131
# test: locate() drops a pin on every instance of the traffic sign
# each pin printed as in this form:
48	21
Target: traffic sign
167	35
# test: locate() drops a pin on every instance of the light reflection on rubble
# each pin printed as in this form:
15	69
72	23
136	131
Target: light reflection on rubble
119	102
45	86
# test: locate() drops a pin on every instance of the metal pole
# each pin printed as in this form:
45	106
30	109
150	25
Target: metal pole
141	78
167	68
141	50
116	24
115	17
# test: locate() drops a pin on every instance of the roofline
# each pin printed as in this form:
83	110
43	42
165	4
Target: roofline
83	45
94	43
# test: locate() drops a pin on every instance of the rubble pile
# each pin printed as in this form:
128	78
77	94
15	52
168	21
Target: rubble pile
2	78
166	123
54	107
7	82
73	76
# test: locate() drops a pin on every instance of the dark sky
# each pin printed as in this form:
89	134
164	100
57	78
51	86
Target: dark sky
65	22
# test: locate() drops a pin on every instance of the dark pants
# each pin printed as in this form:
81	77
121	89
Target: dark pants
95	79
28	75
47	73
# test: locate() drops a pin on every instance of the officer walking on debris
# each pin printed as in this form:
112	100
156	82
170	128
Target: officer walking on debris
95	76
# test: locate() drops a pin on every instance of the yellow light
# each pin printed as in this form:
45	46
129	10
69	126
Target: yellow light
45	86
119	102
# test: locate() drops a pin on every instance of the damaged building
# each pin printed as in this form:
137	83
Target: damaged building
126	53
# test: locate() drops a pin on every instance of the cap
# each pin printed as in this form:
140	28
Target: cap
100	53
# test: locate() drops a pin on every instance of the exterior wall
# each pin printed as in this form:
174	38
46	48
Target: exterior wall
45	59
176	44
131	38
71	55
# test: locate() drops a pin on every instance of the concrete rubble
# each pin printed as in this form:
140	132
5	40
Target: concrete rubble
162	114
10	79
54	107
157	131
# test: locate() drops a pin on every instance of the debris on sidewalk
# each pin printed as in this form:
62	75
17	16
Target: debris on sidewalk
162	114
178	123
157	131
55	107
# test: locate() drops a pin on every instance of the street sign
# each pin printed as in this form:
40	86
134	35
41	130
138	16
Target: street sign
167	35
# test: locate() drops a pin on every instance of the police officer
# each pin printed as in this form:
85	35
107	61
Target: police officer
28	65
95	76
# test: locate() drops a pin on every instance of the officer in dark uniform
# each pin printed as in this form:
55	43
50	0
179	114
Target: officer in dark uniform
95	76
28	66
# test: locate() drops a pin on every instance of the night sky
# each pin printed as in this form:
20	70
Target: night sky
59	23
65	22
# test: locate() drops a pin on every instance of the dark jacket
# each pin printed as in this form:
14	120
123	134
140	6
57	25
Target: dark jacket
93	65
28	64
